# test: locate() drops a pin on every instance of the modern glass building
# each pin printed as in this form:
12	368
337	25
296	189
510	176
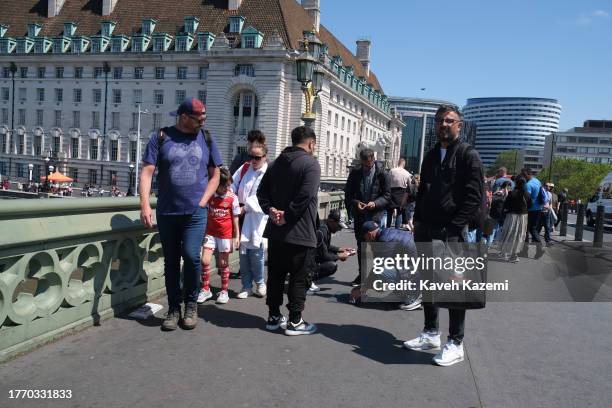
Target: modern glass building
508	123
416	113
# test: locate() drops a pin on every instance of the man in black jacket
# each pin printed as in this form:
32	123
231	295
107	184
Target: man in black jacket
328	255
450	193
288	194
366	195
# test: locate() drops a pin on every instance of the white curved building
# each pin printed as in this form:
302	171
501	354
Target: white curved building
508	123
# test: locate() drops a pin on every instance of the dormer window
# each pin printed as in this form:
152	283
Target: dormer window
251	38
3	30
236	23
34	29
7	45
24	45
69	29
119	43
137	45
57	46
205	40
191	24
116	47
95	47
108	27
181	44
148	26
158	44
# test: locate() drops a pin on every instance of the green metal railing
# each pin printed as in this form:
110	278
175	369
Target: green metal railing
68	264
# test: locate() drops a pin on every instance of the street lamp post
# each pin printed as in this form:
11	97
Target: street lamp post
309	75
140	112
130	192
31	168
47	160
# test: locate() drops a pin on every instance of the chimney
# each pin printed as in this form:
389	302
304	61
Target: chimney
54	7
314	11
108	6
363	54
234	4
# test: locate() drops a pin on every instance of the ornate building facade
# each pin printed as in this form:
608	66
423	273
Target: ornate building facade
74	79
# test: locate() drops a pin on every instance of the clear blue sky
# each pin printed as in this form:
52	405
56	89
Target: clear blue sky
479	48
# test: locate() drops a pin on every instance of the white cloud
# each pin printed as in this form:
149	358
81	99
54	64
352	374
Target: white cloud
587	19
601	13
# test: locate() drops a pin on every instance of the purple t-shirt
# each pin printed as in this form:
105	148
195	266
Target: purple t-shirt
182	171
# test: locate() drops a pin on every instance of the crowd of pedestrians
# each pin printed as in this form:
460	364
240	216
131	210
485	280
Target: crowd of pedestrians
256	207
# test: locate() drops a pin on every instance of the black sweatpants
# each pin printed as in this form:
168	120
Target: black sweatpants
325	269
297	261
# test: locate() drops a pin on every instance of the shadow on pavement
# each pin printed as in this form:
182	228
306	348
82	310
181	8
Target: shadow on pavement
222	317
375	344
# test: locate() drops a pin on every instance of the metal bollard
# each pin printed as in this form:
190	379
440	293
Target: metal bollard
563	215
599	227
579	223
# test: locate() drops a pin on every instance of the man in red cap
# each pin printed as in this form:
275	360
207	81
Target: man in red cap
187	162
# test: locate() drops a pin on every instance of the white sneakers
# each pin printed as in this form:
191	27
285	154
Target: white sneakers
244	293
414	305
260	290
451	353
204	296
425	341
313	289
223	297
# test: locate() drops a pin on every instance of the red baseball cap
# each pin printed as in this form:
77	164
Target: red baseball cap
190	106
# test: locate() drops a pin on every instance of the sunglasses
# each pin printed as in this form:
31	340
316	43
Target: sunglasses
448	121
256	158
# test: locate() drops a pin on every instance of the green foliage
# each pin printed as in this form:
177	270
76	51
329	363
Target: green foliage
506	159
579	177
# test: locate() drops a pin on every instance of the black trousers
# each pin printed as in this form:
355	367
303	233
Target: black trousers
324	269
297	261
456	325
533	221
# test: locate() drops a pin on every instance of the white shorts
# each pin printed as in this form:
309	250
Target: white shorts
220	244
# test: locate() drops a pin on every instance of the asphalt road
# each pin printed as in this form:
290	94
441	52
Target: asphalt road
518	355
588	232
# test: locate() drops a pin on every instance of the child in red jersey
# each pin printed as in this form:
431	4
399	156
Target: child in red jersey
221	229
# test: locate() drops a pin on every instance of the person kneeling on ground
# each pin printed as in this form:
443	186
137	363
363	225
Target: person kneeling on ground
398	242
328	255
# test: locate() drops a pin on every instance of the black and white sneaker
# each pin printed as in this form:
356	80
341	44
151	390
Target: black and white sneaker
299	329
276	322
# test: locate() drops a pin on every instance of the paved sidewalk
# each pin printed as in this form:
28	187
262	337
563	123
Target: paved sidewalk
518	355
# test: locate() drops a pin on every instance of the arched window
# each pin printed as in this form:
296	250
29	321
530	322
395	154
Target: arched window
245	112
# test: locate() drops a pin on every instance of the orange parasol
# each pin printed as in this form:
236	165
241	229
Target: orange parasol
57	177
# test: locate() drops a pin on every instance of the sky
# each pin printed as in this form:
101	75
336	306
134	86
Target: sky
481	48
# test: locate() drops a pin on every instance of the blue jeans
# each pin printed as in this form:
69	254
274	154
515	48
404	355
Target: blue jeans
252	267
182	235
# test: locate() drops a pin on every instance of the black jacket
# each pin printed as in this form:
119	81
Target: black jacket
451	192
325	250
291	184
354	191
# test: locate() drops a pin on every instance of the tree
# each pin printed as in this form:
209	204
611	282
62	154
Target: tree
508	159
579	177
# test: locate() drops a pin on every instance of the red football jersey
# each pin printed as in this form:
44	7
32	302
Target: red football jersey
221	210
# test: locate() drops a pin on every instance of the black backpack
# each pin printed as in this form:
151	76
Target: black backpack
478	218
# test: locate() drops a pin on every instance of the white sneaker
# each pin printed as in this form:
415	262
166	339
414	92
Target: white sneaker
276	322
425	341
260	289
222	297
417	304
204	296
450	354
313	289
300	329
243	294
